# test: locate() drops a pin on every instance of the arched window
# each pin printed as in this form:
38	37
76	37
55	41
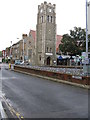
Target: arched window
51	19
48	18
40	57
42	19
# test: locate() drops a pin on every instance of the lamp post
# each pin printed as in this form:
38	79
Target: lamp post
86	29
86	66
11	50
24	36
23	50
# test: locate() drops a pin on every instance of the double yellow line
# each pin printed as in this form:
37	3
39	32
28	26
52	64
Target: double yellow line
12	111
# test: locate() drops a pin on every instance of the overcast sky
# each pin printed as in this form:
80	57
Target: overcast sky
19	16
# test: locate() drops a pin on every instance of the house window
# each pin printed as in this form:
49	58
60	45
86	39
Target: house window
29	42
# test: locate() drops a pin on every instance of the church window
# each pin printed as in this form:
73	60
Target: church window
42	19
40	31
51	19
48	18
40	57
50	49
50	10
41	10
47	49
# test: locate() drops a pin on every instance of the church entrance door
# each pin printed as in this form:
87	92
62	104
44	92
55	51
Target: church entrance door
48	60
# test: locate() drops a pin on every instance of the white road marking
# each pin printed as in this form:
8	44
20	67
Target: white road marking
4	78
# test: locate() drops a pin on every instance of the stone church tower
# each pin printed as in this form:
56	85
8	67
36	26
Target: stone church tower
46	34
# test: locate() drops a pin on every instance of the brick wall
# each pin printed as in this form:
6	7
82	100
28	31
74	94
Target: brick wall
66	77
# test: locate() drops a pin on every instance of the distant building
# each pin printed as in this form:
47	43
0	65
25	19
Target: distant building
30	47
17	49
8	52
3	53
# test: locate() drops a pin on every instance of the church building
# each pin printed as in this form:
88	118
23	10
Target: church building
45	46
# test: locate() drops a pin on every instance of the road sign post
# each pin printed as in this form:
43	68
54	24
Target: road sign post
86	63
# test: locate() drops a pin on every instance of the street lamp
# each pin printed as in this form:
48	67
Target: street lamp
24	36
86	29
86	66
23	50
11	50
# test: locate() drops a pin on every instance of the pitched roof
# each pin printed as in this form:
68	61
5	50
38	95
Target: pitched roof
58	41
33	33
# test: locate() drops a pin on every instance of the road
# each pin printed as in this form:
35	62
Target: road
35	97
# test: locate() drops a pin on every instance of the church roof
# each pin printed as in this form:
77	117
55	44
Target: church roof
58	41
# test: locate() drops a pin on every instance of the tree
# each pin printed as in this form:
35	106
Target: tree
68	45
75	43
78	33
0	53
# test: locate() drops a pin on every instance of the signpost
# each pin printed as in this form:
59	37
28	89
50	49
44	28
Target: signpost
86	63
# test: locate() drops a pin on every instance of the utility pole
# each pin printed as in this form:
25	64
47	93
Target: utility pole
10	50
86	30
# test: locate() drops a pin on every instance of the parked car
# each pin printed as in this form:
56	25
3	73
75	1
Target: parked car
24	63
18	62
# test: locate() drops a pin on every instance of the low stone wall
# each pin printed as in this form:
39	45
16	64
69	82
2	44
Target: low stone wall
85	80
62	66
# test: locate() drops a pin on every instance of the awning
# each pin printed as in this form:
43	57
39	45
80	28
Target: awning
60	57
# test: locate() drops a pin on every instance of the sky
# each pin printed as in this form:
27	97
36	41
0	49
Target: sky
19	16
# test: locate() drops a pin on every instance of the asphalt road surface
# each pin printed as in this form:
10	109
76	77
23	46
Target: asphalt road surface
35	97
